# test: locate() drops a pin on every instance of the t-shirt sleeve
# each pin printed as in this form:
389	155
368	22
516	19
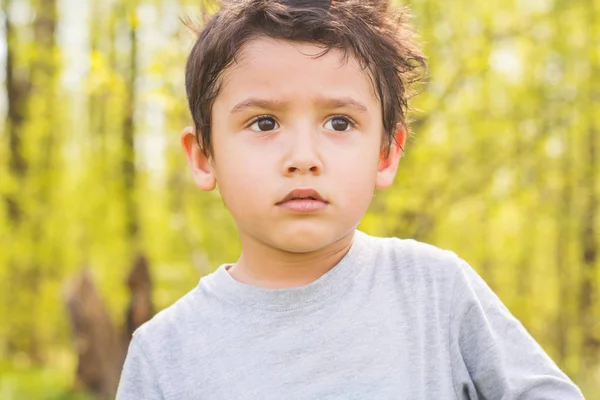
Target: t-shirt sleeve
493	355
138	378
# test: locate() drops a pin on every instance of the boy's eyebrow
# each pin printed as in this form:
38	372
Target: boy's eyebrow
254	102
323	102
327	103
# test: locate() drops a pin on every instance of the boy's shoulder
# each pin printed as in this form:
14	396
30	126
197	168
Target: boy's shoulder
422	273
410	256
165	324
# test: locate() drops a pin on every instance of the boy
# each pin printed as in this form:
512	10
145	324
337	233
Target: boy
299	112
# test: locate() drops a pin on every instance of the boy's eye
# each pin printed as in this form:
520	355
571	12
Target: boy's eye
264	124
339	124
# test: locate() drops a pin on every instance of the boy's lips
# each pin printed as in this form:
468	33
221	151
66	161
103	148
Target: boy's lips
303	200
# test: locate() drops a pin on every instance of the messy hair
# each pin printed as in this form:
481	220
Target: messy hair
375	34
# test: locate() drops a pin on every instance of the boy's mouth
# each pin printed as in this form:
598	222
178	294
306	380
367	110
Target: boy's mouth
303	200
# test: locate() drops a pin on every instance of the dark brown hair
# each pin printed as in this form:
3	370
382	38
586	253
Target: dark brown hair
369	30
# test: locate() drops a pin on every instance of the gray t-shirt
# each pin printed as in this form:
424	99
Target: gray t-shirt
394	319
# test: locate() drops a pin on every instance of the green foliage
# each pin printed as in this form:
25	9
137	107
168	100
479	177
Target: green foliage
500	169
37	383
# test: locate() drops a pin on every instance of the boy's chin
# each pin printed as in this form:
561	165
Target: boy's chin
301	246
303	241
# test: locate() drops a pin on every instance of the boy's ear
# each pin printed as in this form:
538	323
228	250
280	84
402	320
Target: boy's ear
388	159
200	165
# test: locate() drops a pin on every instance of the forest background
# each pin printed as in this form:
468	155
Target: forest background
503	169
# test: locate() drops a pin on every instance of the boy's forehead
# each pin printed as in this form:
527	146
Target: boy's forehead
279	66
266	50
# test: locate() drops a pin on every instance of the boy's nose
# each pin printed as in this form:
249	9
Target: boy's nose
303	157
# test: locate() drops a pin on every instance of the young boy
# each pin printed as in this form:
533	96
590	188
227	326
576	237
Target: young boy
299	112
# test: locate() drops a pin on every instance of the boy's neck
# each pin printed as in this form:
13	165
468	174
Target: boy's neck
271	268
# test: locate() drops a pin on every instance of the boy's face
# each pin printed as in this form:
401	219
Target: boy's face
285	120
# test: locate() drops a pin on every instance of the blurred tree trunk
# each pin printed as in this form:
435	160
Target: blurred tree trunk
564	216
589	256
96	341
100	347
17	92
128	161
527	226
140	308
590	343
44	76
563	236
18	87
485	152
31	96
98	99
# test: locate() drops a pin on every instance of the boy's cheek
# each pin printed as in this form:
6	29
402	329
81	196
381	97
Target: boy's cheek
243	179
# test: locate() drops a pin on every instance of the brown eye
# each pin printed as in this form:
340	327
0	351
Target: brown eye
264	124
339	124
